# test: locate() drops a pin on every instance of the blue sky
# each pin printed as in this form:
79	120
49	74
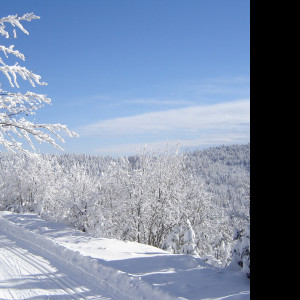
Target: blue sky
122	73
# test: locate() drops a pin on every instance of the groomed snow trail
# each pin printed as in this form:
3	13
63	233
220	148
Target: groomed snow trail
41	268
25	275
40	259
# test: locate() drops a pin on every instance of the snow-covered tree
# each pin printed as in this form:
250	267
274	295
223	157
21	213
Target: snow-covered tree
172	241
241	250
15	107
82	208
189	246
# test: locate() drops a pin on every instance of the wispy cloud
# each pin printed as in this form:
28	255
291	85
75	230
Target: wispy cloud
181	121
152	101
193	126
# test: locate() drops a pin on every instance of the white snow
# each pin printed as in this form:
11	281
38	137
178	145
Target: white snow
101	268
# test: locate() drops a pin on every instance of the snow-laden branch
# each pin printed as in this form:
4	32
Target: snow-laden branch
14	20
11	73
10	50
16	107
13	108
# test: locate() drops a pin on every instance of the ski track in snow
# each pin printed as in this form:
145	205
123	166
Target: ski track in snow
24	275
74	276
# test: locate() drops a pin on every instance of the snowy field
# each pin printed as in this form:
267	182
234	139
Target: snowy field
46	260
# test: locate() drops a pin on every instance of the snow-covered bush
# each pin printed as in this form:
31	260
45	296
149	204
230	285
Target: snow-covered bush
172	241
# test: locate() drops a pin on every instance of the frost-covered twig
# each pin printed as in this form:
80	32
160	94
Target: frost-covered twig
16	107
14	20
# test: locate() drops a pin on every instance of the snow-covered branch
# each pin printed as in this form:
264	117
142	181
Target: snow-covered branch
10	50
16	107
15	21
11	73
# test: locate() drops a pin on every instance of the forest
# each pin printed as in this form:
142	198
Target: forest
194	202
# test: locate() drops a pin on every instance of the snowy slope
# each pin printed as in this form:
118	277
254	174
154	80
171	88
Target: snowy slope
109	268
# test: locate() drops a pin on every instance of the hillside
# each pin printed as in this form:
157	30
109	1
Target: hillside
153	198
53	261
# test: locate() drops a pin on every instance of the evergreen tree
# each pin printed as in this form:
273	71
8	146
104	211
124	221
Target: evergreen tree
189	246
241	251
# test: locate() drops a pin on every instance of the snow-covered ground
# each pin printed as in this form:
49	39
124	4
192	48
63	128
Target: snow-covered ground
46	260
